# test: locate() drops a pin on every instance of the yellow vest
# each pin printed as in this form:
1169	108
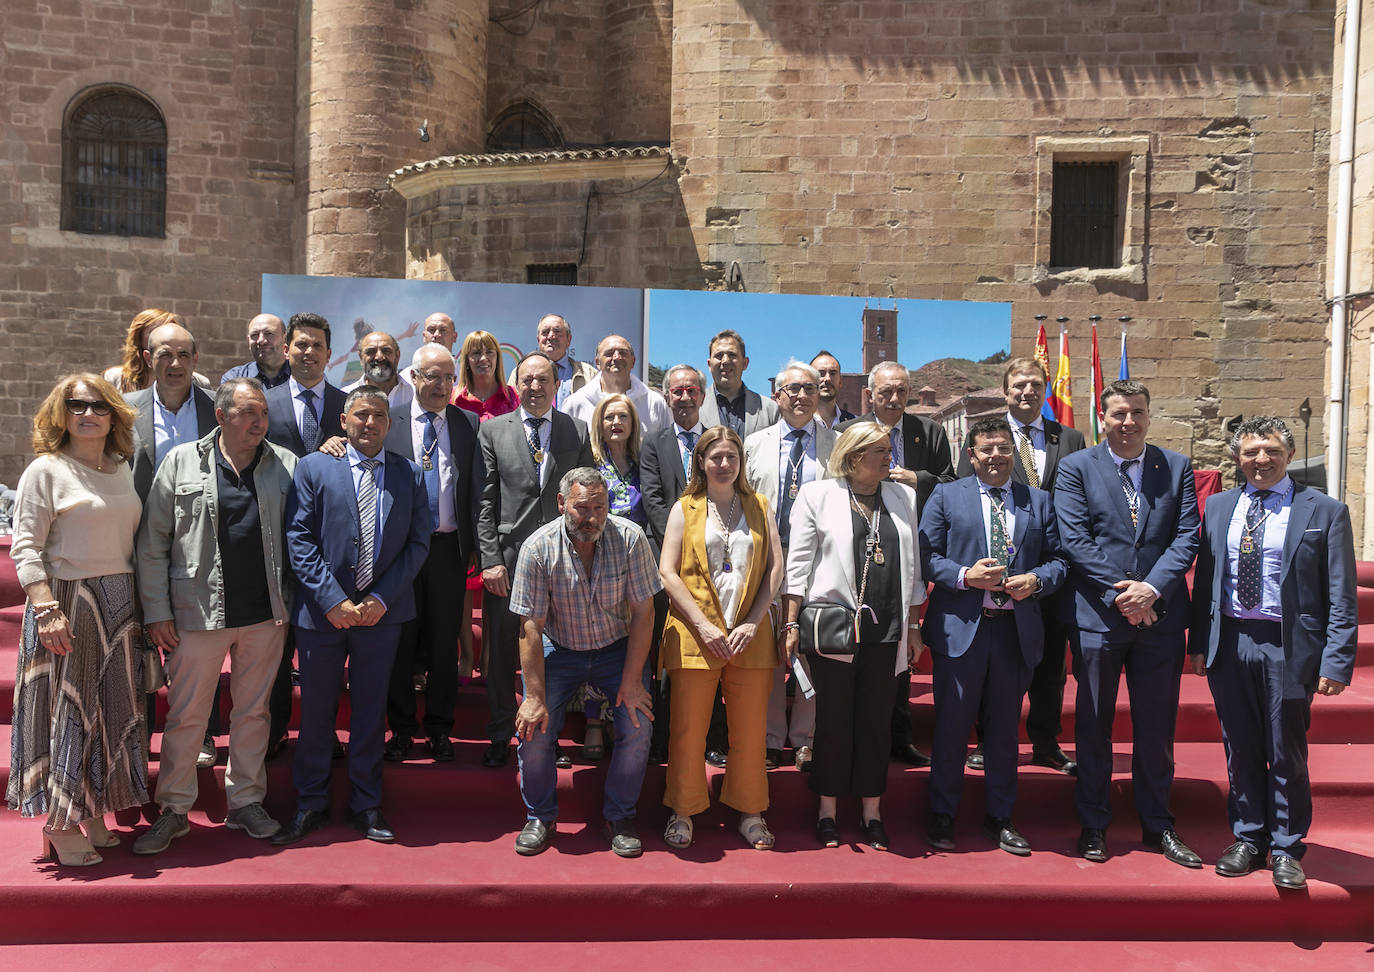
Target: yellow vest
681	648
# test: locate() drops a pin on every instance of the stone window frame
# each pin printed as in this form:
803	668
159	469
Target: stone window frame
1132	155
531	114
132	201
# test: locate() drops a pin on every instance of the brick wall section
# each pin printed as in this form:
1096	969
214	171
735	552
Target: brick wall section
223	75
886	148
371	72
491	232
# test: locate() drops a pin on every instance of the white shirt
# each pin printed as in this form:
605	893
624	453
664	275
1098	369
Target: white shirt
317	404
171	429
545	431
1278	505
355	460
448	519
683	453
653	410
1036	431
1009	517
400	396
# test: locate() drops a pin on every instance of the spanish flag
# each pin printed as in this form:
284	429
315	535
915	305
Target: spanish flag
1060	398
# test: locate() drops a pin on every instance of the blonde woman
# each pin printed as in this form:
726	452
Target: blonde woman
721	566
77	751
482	387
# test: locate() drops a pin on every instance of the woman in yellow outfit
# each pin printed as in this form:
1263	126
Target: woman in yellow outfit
722	567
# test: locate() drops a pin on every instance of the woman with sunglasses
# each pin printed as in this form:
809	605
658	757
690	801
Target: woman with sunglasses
78	750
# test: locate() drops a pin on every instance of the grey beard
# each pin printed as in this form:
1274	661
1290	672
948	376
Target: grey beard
378	372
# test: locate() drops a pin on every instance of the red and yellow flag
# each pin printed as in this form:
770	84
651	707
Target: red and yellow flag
1060	398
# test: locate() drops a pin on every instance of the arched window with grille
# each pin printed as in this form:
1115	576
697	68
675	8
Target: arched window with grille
523	127
114	165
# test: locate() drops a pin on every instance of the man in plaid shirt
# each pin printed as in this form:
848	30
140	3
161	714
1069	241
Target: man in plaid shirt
587	581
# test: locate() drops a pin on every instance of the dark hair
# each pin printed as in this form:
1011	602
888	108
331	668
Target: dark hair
534	354
1262	427
727	335
307	319
1122	388
366	391
1023	365
224	395
992	425
823	353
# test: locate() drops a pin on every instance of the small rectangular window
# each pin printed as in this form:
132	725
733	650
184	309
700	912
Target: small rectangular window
1083	218
564	274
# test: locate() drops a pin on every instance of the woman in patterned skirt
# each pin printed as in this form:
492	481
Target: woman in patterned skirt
78	746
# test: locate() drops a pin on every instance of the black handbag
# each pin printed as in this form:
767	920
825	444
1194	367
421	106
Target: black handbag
827	628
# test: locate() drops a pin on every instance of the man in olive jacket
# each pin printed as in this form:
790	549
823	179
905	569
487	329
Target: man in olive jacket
211	568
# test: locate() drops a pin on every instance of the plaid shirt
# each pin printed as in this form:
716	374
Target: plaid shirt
582	613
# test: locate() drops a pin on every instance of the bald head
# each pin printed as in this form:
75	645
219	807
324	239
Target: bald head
381	357
439	329
171	354
267	342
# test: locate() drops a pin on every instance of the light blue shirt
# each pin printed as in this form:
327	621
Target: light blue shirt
1278	505
897	439
809	469
355	465
171	429
297	406
1009	516
564	369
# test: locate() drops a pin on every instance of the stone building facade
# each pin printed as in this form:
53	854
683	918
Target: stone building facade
812	146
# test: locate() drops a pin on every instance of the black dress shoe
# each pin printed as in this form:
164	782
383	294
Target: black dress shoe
339	751
561	760
772	759
1055	759
716	758
940	832
496	755
1004	835
305	822
1168	843
1240	859
1288	873
875	834
397	748
533	839
974	760
658	754
827	832
909	754
440	748
1092	845
372	825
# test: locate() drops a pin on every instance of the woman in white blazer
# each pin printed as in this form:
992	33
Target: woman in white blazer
838	525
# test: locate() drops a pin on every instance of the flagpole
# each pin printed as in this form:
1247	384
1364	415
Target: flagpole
1124	373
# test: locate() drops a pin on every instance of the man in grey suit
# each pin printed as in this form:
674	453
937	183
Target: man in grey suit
779	460
172	411
522	456
729	401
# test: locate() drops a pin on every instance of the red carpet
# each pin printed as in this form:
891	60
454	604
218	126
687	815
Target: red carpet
455	878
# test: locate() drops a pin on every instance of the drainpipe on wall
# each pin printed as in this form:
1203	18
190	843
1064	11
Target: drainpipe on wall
1336	424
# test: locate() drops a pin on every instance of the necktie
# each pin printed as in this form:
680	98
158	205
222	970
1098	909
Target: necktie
1132	497
430	467
1250	563
367	524
532	432
999	545
1028	457
310	423
788	486
895	438
689	439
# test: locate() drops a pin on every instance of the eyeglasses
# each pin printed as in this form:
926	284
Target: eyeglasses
79	406
800	388
989	451
442	377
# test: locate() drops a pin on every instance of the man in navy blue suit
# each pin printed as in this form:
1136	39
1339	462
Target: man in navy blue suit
357	532
991	548
1128	522
1274	621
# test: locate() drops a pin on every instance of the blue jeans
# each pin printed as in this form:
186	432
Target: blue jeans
564	671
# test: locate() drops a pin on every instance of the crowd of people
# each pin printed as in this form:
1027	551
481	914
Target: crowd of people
713	576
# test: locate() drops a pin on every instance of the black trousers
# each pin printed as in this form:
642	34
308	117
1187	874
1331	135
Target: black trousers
853	722
503	661
429	643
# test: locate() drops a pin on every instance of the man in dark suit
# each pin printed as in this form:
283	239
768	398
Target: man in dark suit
523	455
666	456
829	411
1040	444
443	440
357	533
302	415
920	459
173	410
729	401
991	548
1274	622
1128	523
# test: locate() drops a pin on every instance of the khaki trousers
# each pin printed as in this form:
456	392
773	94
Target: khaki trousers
746	713
193	671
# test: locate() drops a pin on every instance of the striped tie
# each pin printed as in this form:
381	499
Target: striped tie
1028	457
367	523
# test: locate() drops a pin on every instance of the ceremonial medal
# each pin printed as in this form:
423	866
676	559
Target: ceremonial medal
878	557
1247	545
538	456
792	491
426	464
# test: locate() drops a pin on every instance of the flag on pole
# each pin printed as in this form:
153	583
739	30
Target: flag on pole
1042	355
1125	373
1061	396
1097	390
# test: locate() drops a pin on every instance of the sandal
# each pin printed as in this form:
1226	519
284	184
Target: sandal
70	847
98	833
593	746
755	832
678	833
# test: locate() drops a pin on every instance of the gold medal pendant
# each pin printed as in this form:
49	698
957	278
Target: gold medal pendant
792	491
426	464
878	557
538	457
1247	545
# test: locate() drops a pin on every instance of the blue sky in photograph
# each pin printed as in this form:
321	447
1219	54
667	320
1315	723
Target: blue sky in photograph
779	327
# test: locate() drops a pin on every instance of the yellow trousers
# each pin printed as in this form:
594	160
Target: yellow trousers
746	716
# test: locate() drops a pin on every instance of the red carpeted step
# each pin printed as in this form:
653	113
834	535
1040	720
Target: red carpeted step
1364	573
10	591
1364	597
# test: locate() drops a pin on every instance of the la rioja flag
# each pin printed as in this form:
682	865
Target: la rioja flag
1097	390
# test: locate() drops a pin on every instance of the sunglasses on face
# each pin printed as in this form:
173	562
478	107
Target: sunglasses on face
79	406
